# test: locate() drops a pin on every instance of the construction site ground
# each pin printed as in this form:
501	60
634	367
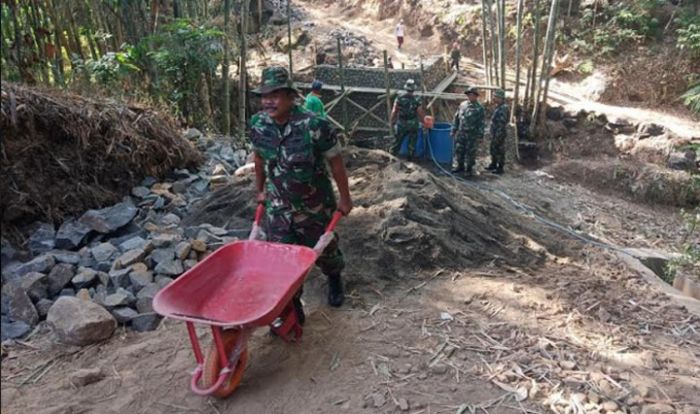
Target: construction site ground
459	301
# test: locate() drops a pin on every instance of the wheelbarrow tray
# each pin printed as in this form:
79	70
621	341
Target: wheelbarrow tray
243	283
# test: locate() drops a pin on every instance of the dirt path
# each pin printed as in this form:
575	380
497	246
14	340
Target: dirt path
566	325
328	16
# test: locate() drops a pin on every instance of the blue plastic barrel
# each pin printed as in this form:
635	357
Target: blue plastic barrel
420	145
441	142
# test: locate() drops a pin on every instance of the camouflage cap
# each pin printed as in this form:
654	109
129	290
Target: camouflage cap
274	78
499	93
471	90
410	85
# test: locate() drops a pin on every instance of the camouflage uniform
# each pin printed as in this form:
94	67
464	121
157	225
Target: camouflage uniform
469	128
407	124
299	193
499	121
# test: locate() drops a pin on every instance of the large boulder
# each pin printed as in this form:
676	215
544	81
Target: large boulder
17	304
41	264
80	322
59	277
110	219
72	235
35	284
42	239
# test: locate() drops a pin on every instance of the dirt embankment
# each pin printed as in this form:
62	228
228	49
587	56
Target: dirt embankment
63	154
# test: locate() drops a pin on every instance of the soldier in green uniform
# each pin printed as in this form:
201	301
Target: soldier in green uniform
455	56
292	147
405	117
499	122
467	130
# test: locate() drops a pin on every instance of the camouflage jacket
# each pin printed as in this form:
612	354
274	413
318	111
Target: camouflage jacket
294	161
469	119
499	121
407	106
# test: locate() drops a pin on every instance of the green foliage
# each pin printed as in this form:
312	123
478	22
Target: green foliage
108	70
585	67
692	98
178	58
688	32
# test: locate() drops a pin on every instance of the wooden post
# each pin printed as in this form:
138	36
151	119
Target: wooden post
260	15
518	41
387	84
289	37
242	67
547	54
344	106
224	70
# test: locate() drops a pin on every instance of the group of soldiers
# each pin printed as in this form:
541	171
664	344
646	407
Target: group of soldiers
467	128
297	151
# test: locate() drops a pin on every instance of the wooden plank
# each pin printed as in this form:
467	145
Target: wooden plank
383	122
442	87
375	106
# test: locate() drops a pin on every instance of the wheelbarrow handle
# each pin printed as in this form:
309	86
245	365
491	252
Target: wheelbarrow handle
259	211
334	221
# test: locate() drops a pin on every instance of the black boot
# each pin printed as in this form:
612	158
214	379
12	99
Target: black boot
491	166
459	169
499	169
469	172
336	294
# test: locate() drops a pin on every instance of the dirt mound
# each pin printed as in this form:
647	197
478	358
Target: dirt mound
408	221
63	153
640	182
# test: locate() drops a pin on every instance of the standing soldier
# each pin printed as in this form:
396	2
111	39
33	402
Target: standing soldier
467	130
455	56
408	109
313	101
499	121
291	148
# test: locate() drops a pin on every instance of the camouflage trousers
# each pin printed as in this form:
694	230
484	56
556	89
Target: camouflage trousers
498	150
305	230
401	130
466	146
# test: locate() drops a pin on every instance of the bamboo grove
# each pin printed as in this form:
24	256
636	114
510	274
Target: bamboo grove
164	52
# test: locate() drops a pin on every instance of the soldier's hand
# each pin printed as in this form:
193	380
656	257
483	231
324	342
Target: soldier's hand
345	206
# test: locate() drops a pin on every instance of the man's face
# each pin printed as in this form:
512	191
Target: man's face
497	100
472	97
278	103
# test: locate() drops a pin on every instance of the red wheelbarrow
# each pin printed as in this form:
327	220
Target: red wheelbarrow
241	286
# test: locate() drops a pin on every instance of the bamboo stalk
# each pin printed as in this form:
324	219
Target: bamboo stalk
535	52
502	42
289	37
546	59
243	66
487	72
225	68
344	106
518	42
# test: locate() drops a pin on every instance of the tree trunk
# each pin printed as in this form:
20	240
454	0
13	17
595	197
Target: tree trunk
72	30
494	45
289	37
243	67
502	42
484	43
535	53
224	69
546	60
518	41
58	65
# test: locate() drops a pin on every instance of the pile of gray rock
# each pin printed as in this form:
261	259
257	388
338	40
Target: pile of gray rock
104	267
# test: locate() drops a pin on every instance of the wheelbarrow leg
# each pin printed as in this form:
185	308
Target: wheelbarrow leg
288	326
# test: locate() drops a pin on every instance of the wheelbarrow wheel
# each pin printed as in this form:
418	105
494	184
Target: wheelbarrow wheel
212	366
